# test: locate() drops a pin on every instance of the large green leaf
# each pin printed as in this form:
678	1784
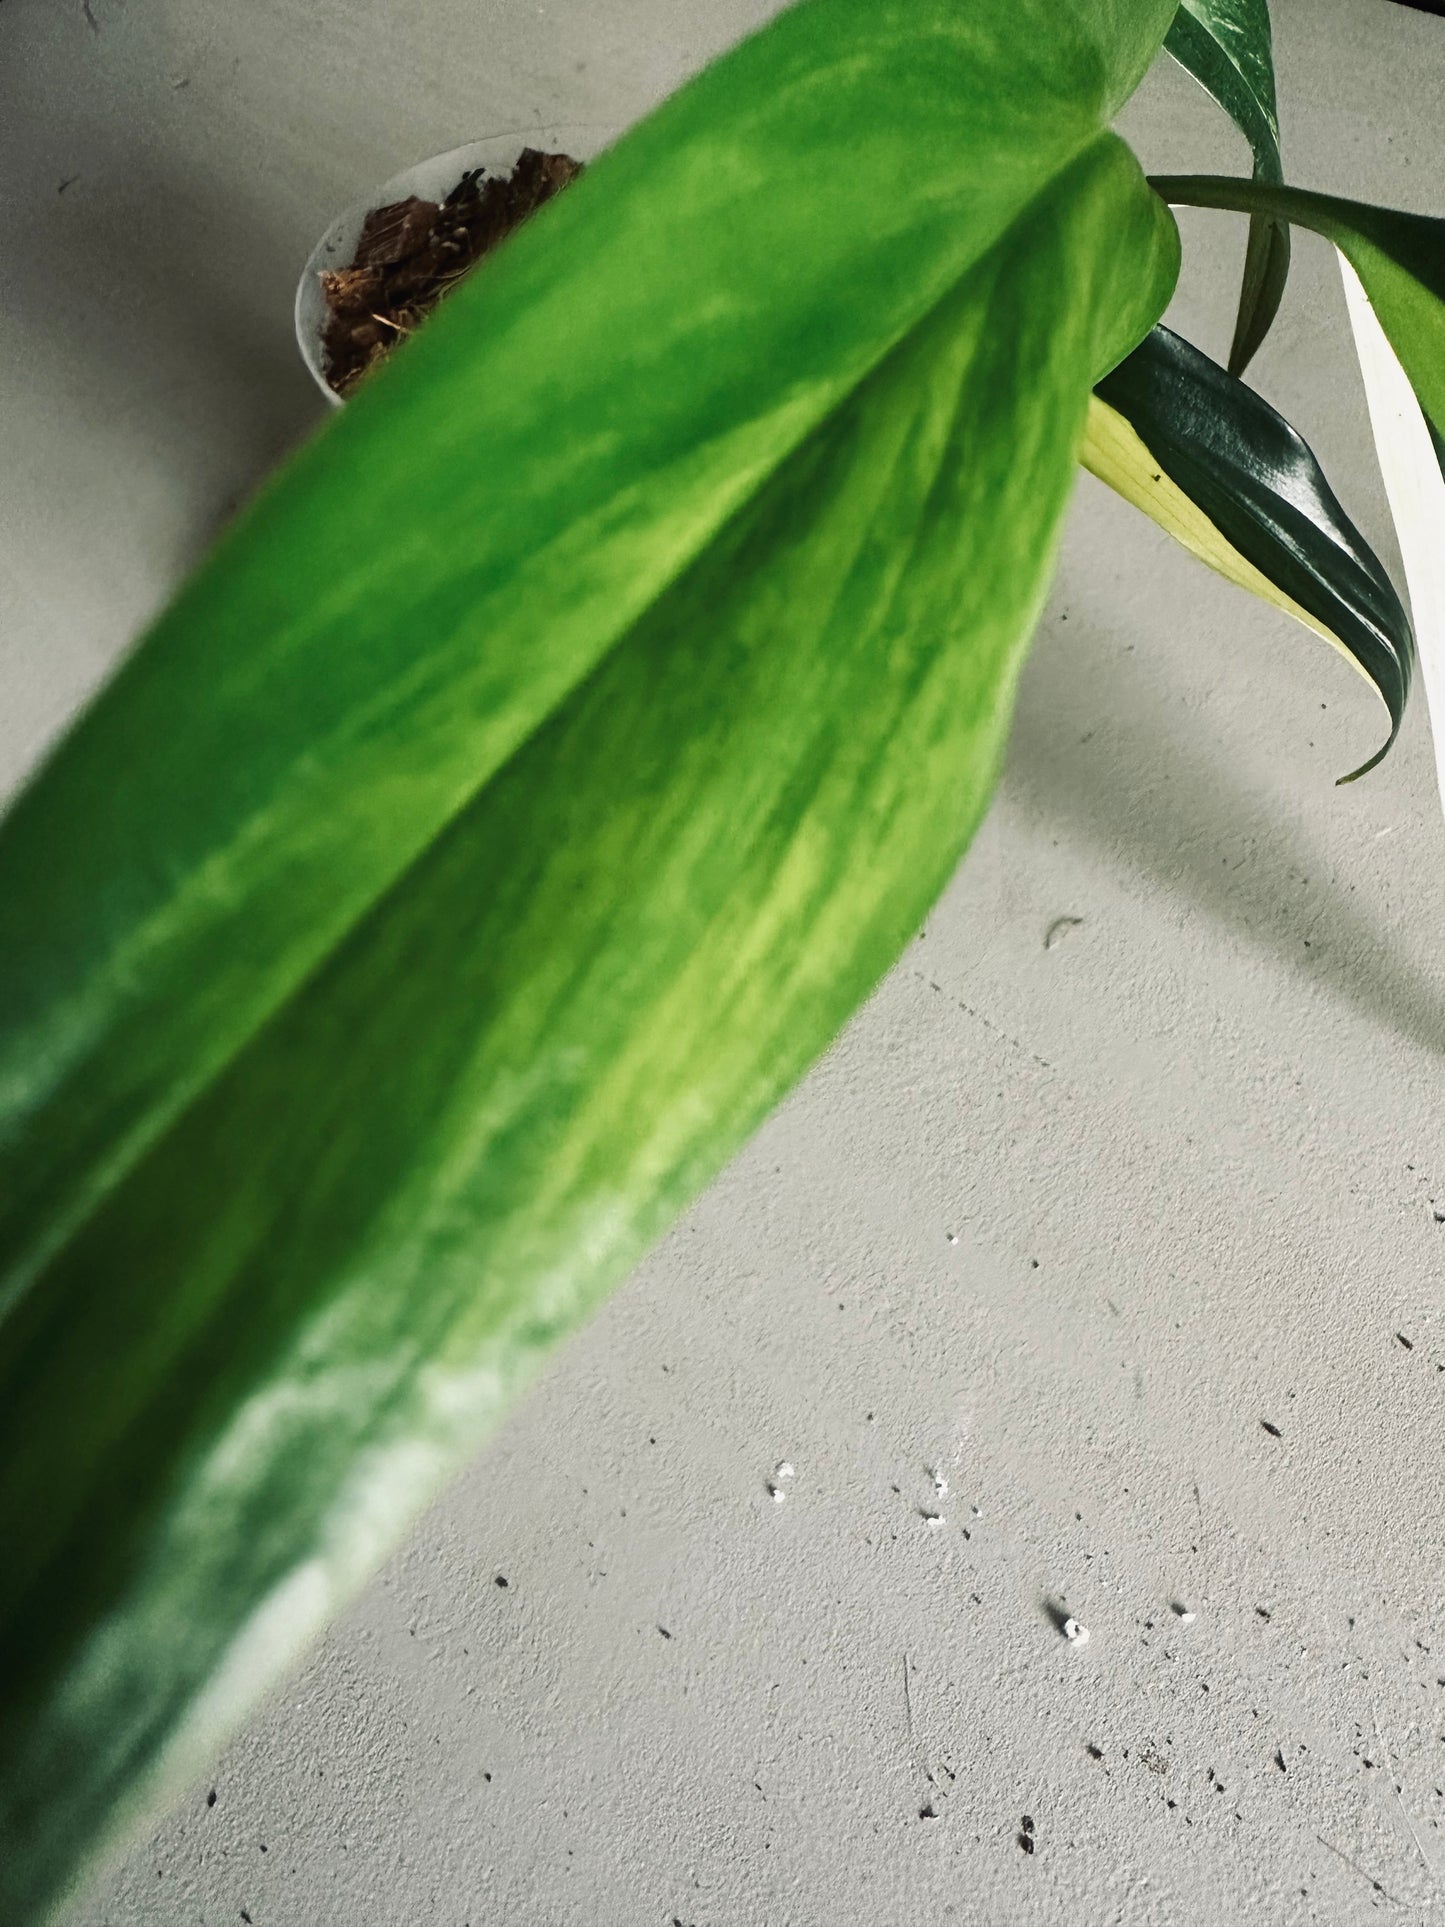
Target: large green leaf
518	801
1228	47
1400	259
397	613
1227	476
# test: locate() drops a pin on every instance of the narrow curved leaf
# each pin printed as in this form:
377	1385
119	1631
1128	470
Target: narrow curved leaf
1227	476
1399	257
1228	47
514	806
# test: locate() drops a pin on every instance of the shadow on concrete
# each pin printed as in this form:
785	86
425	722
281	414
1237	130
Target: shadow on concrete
1150	790
169	293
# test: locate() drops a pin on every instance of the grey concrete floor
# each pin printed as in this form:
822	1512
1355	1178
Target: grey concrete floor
1063	1225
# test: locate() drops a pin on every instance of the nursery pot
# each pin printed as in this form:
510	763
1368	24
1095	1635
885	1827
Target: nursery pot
430	180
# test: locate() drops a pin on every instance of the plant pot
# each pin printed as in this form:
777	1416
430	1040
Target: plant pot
431	180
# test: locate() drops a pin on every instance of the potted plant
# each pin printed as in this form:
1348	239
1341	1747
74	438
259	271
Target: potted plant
535	777
413	238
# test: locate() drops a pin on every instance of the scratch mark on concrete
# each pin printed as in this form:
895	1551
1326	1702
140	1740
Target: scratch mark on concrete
1355	1867
987	1022
1395	1794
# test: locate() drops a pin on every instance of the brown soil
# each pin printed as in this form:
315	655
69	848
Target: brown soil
411	252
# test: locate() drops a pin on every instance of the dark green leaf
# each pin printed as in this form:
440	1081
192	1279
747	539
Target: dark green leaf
1228	47
519	800
1225	474
1400	259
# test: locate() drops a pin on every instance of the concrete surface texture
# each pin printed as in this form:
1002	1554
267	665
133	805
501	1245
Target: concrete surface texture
1099	1275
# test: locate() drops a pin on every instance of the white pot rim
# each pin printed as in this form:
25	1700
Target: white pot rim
432	180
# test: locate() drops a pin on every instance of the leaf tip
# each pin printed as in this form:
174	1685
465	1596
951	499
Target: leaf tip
1374	761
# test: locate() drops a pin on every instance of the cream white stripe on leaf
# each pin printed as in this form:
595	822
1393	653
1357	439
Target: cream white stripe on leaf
1416	490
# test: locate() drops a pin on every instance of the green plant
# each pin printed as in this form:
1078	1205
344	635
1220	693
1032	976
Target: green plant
536	776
